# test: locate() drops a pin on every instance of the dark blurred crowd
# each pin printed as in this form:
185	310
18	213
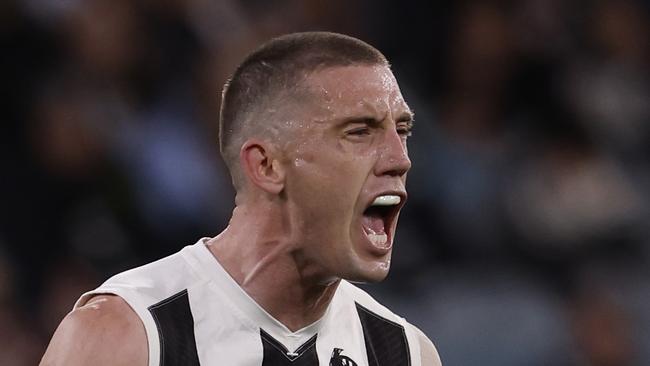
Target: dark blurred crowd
526	237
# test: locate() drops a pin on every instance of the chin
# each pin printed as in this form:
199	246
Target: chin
369	272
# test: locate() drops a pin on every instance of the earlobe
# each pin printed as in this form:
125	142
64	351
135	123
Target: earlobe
261	166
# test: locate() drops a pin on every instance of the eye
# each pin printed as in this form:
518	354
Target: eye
359	131
405	130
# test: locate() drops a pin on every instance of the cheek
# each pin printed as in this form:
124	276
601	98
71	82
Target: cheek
329	176
325	192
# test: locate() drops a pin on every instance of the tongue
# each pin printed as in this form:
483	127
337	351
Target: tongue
374	224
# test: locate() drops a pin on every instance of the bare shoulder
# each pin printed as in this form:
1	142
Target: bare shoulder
428	351
105	331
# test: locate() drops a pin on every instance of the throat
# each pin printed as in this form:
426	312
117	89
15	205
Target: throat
298	309
285	287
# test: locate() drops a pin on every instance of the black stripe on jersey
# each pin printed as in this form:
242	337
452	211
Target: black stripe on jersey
276	354
386	343
175	324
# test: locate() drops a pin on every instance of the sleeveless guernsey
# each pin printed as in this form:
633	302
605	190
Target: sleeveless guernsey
194	313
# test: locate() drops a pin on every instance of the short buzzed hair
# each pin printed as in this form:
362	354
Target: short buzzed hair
272	70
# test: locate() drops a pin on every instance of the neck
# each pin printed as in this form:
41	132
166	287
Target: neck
258	251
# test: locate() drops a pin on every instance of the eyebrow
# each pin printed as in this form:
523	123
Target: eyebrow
407	116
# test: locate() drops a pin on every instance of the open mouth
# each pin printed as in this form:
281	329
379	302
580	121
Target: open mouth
378	219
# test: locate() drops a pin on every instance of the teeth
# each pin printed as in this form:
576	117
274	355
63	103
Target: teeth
378	239
386	200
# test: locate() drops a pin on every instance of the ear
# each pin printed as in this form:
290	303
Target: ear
260	164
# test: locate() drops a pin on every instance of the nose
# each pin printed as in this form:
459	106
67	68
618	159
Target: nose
393	156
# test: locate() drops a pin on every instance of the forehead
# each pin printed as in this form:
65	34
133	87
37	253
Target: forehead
345	90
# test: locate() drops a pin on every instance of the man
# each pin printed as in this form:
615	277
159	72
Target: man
313	129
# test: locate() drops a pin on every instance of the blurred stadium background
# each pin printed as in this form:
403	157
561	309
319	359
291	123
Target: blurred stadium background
526	238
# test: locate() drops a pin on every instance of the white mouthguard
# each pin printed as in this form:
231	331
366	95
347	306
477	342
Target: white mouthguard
387	200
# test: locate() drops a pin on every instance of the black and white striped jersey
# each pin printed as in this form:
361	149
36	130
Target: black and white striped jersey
194	313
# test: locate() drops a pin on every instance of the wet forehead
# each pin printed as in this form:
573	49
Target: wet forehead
352	90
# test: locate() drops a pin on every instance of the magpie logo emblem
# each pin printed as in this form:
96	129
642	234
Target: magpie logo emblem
341	360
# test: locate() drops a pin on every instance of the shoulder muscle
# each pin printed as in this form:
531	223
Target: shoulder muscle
105	331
